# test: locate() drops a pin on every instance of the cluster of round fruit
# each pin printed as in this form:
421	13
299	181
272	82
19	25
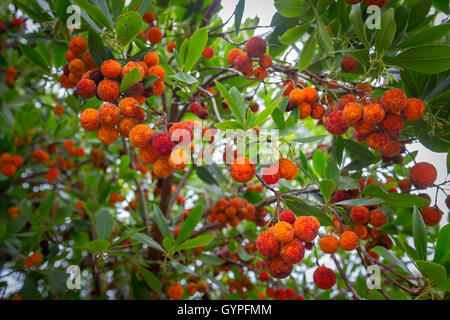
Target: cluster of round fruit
376	121
11	76
255	48
9	164
176	290
284	168
279	293
239	285
255	188
34	259
283	243
305	98
201	110
233	210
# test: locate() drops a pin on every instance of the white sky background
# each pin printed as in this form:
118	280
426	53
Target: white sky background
265	10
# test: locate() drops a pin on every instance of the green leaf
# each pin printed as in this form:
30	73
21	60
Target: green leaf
442	245
425	36
360	202
228	124
262	117
385	35
124	163
34	56
197	43
426	59
419	234
210	260
169	244
291	8
161	221
130	78
149	80
182	54
45	208
189	224
183	77
319	162
98	51
128	27
332	170
307	54
94	13
327	188
238	12
324	38
143	238
204	174
150	279
293	34
405	200
97	245
104	224
358	151
382	251
434	272
196	242
358	25
231	103
301	208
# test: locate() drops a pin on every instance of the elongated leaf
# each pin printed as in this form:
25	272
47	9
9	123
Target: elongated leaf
293	34
425	36
130	78
150	279
196	242
324	38
434	272
204	174
358	151
161	221
94	13
327	188
385	35
301	208
189	224
97	50
128	27
34	56
104	224
382	251
265	114
197	43
231	103
358	25
360	202
443	245
307	53
238	12
228	124
143	238
419	234
183	77
405	200
97	245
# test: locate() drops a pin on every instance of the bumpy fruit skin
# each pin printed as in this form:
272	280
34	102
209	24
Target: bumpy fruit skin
414	109
141	135
176	291
305	110
363	127
89	119
324	278
348	240
242	170
178	159
243	63
208	53
9	169
293	251
265	61
392	124
110	69
378	140
405	185
377	218
297	96
336	123
157	71
317	111
394	100
170	46
306	228
271	174
263	276
182	132
149	17
347	98
380	3
161	168
86	88
34	259
288	169
353	112
78	45
128	107
260	73
311	95
349	64
373	113
283	232
278	268
267	245
359	215
147	155
394	148
256	47
329	244
108	115
287	216
58	109
108	90
131	65
423	175
151	59
431	216
232	54
125	126
77	67
154	35
107	134
162	144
